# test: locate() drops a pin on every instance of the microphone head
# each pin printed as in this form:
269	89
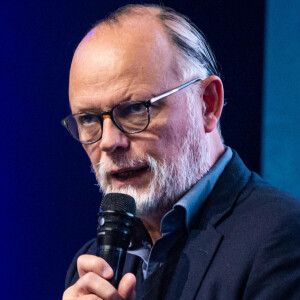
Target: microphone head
118	202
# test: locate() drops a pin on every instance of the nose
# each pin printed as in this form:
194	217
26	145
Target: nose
112	137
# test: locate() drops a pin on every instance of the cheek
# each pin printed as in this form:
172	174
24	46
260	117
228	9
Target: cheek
161	142
175	130
93	152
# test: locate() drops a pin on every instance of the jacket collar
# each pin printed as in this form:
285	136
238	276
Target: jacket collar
204	239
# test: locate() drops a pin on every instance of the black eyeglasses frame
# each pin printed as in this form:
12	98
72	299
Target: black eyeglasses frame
109	113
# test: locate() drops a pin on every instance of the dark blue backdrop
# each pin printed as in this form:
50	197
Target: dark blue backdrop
49	197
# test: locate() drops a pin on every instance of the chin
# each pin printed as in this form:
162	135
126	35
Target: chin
163	183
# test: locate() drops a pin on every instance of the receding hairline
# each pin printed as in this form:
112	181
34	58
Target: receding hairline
190	44
121	15
129	15
132	14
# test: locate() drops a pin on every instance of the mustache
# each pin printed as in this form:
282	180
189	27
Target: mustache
123	161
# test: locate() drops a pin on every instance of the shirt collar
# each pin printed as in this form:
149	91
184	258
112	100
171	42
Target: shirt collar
192	201
185	210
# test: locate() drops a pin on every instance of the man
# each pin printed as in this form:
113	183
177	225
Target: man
210	229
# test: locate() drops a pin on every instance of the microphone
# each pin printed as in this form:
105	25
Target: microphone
115	226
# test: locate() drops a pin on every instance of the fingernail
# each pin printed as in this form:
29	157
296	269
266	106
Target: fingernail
107	271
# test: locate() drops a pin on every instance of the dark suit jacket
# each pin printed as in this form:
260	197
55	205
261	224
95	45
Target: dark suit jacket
245	244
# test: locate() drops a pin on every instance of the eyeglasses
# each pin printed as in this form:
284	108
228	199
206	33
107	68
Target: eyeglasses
129	116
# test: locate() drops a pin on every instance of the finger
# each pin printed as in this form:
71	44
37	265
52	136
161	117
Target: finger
71	294
89	263
126	287
92	283
90	297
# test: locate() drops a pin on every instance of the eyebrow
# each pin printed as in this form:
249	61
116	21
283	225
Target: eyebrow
81	109
97	109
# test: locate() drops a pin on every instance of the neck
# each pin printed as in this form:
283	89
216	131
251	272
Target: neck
152	224
153	227
217	147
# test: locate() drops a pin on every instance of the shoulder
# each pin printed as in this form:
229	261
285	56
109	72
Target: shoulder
250	195
272	220
260	240
266	223
267	203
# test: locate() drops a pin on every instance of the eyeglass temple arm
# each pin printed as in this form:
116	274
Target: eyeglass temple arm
152	100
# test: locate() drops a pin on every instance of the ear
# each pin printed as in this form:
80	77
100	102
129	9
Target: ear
213	100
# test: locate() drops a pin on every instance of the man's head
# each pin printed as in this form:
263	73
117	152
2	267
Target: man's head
136	54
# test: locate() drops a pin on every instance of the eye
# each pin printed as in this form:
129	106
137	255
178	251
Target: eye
87	119
130	108
135	108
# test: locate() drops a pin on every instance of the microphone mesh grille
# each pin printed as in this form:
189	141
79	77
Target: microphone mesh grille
118	202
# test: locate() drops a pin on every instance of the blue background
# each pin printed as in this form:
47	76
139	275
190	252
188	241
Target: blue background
49	197
281	96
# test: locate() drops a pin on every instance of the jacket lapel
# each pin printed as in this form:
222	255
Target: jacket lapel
193	263
204	239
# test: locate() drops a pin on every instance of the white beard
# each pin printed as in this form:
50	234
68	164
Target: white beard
172	177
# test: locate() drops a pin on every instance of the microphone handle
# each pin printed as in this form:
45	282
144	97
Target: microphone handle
115	257
113	238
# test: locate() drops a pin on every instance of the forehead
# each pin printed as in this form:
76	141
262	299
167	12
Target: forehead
131	55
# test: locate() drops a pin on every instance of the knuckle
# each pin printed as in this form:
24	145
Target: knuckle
80	260
68	293
84	257
88	278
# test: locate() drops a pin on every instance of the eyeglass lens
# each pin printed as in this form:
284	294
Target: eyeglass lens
130	117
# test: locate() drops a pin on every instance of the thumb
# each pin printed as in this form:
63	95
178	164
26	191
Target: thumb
126	287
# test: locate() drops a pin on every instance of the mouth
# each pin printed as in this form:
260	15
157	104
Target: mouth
127	174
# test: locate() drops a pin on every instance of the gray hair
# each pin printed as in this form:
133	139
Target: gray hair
195	57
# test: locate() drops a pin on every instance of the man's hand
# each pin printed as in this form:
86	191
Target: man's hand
94	273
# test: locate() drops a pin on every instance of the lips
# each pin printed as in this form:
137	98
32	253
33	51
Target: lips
129	173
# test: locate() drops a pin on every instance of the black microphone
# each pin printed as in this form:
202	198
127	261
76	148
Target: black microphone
115	226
